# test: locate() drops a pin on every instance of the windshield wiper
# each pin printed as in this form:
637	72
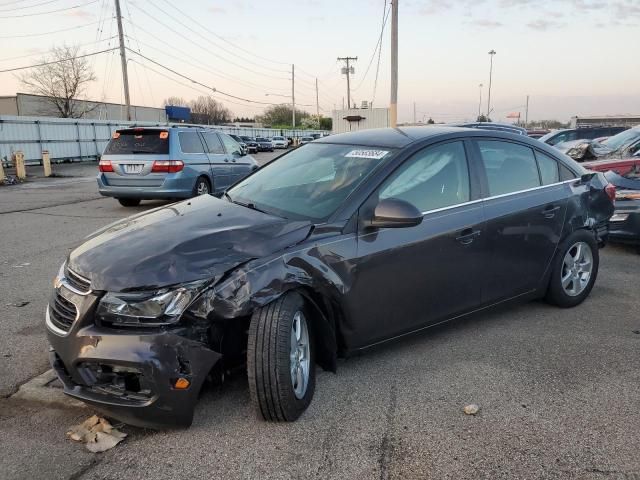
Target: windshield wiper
250	205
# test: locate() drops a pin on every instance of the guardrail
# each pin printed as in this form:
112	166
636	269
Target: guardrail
77	139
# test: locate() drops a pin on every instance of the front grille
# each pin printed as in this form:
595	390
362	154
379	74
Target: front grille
62	312
77	282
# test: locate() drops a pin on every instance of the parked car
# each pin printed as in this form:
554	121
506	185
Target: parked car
264	144
252	145
537	133
494	126
315	135
243	145
304	140
625	222
625	144
177	162
344	243
280	142
621	167
557	137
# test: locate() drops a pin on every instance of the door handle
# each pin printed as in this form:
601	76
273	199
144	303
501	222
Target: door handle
467	236
226	160
550	211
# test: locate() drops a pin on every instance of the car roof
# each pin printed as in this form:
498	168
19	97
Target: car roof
389	137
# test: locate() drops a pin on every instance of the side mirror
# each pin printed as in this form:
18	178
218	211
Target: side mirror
395	213
586	177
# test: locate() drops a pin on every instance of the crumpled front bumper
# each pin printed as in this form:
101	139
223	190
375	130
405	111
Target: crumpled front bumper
131	376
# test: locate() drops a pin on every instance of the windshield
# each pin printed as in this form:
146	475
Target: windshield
561	137
278	138
132	142
261	139
311	182
621	139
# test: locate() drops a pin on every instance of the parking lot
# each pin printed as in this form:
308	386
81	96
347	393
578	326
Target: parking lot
558	389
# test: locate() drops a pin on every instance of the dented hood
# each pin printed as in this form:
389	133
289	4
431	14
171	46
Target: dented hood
196	239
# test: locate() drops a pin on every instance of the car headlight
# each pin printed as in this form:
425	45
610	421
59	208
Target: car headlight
150	308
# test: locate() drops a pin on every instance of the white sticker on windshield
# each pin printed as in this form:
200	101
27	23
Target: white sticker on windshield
373	154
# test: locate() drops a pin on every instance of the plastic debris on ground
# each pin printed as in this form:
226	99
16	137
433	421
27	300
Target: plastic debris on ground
471	409
97	434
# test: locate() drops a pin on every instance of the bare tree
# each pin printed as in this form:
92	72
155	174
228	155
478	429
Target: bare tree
174	101
210	111
63	82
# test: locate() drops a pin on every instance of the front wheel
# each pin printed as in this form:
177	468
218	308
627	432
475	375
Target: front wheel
281	359
129	202
575	270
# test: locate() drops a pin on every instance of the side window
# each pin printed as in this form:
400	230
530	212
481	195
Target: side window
566	174
213	143
190	142
435	177
548	169
229	143
510	167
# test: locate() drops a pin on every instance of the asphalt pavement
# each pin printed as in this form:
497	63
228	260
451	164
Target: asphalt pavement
559	390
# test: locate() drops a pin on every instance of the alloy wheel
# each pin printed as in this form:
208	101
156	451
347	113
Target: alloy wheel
577	266
202	188
299	355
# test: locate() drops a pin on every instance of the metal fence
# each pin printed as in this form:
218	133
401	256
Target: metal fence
78	140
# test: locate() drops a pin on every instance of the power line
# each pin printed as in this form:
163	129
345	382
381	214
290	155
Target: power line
28	6
146	74
50	11
378	47
375	82
50	32
205	38
227	41
57	61
41	53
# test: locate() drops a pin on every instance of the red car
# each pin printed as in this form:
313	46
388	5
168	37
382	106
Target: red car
621	167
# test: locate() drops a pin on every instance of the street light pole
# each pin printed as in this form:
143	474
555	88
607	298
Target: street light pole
479	102
293	97
491	54
393	107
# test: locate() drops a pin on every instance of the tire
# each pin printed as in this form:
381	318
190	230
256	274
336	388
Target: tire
575	256
202	187
129	202
274	394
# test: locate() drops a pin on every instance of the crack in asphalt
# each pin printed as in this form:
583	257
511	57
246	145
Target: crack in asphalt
386	447
75	202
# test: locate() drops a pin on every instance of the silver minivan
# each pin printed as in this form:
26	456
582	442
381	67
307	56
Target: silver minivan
170	162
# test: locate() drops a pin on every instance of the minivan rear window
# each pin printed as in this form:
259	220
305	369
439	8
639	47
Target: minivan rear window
133	142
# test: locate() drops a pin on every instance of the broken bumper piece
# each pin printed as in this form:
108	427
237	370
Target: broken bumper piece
146	380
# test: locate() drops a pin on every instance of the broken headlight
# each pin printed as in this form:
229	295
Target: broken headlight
578	150
150	308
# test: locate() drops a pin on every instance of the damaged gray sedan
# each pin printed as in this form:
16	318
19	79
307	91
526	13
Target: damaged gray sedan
339	245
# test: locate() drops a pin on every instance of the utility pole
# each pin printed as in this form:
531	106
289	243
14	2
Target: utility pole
479	102
526	114
317	104
293	96
393	108
123	59
414	113
348	70
491	54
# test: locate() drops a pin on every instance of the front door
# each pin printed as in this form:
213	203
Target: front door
409	278
525	209
240	165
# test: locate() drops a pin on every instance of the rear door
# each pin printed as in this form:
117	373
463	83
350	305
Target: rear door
132	153
240	165
525	206
221	170
196	161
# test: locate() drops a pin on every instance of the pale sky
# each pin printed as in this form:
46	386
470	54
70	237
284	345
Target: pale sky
571	56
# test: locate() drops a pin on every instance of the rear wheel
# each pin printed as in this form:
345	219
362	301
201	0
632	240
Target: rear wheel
201	187
129	202
281	359
575	270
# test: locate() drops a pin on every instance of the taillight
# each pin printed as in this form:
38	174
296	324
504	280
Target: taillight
105	166
167	166
610	190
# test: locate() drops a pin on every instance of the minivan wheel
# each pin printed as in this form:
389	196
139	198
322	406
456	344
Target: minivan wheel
201	187
281	359
129	202
575	270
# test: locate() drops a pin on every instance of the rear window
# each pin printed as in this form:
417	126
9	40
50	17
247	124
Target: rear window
131	142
